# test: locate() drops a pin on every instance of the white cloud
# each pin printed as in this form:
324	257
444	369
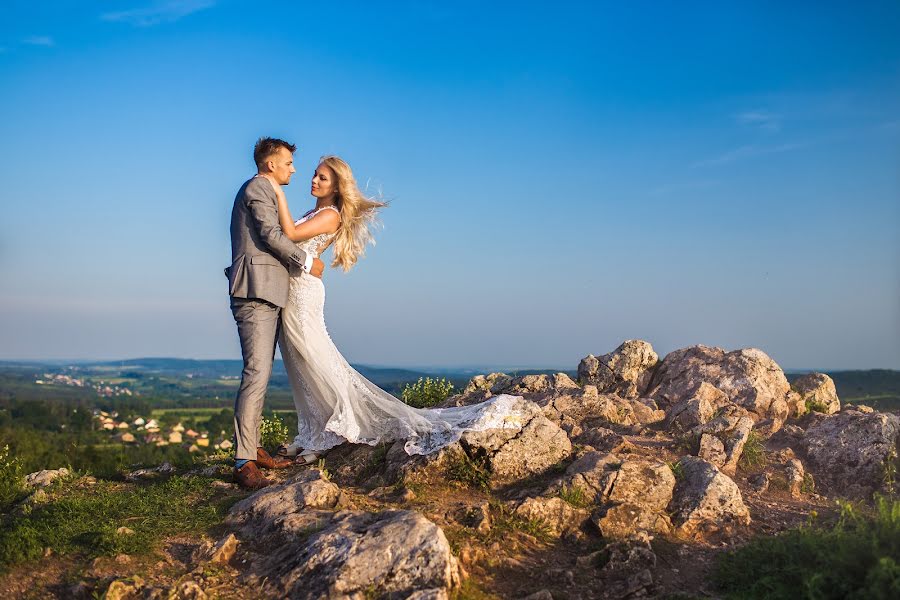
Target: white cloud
159	12
39	40
748	152
761	119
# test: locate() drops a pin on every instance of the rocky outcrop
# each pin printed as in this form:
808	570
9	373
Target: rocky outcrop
390	554
706	501
631	493
748	377
625	371
817	392
848	451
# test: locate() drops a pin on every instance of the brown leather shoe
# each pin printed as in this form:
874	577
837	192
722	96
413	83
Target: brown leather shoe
249	477
267	461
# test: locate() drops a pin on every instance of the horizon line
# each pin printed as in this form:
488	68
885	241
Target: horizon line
470	367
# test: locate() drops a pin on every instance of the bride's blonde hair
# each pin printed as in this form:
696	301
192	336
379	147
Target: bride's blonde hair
358	215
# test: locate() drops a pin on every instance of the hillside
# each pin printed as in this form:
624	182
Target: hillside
644	477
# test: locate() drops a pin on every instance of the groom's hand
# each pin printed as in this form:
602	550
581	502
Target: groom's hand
317	268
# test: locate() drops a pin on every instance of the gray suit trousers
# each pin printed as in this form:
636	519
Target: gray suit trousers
258	324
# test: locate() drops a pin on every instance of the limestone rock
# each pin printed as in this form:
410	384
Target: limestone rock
281	506
749	377
559	516
632	494
645	411
525	443
641	481
121	589
45	477
794	473
817	391
150	473
732	426
432	594
847	451
221	552
603	440
388	554
623	521
712	449
187	590
706	500
697	409
625	371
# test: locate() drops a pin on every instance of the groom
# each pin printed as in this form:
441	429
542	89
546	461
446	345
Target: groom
261	256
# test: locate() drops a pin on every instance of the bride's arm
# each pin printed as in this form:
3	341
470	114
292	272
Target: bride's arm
326	221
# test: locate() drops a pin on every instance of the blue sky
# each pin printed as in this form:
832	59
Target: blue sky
563	176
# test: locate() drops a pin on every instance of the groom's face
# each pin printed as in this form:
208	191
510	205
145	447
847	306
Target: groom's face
282	166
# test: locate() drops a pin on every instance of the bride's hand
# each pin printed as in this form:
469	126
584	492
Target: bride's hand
279	193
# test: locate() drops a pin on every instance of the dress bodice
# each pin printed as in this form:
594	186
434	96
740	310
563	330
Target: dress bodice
317	243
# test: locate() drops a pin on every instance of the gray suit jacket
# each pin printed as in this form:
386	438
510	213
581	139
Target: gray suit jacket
261	254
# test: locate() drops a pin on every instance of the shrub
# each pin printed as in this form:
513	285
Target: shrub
12	480
857	557
272	432
816	406
426	392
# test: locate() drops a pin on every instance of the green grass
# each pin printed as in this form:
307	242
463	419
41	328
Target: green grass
754	453
857	558
471	472
84	520
575	496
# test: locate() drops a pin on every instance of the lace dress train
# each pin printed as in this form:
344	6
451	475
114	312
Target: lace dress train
335	403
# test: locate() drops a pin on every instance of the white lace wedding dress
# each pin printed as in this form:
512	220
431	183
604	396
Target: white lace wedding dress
336	404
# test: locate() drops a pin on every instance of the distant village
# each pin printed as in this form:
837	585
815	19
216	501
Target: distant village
102	388
148	431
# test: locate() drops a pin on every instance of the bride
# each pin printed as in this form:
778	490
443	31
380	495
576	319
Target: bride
335	404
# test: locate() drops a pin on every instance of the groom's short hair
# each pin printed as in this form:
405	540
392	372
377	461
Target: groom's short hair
266	147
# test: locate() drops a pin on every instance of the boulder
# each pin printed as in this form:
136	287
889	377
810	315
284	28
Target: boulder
732	425
283	507
817	392
848	451
705	500
632	494
645	411
697	409
794	473
625	371
559	516
748	377
522	443
712	449
624	521
390	554
46	477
